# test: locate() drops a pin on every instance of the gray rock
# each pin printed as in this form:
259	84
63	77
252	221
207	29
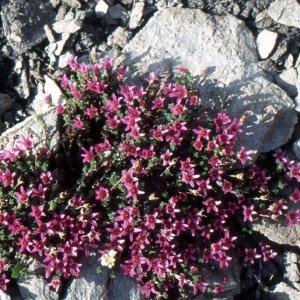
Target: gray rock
54	90
91	285
6	103
118	12
72	3
23	23
284	291
291	267
101	9
136	15
266	42
280	51
8	138
61	43
124	288
224	49
289	61
119	37
49	34
296	148
36	288
4	296
269	66
63	58
288	81
70	26
285	12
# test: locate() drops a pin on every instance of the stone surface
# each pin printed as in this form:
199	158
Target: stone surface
101	8
118	12
289	61
285	12
136	15
119	37
23	23
284	291
224	49
8	138
288	81
6	103
266	42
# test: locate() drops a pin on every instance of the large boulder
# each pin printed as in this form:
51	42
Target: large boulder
224	50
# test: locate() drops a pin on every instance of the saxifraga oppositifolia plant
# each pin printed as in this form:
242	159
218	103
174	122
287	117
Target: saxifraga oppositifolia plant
146	176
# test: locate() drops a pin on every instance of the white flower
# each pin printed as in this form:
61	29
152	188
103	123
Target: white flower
108	259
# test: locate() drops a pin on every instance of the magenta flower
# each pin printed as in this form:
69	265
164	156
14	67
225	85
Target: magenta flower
178	91
248	212
44	228
128	177
64	81
189	177
112	122
224	137
89	155
243	155
77	123
23	196
55	283
3	282
215	174
73	63
294	217
46	177
7	177
158	104
152	220
83	69
107	63
221	120
133	191
295	172
24	244
39	246
102	193
199	286
60	109
166	158
96	69
235	127
39	192
148	288
37	212
223	260
211	203
207	255
251	255
178	109
158	133
68	250
278	207
92	112
152	78
186	164
212	145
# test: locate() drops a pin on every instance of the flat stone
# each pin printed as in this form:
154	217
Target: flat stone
286	291
285	12
119	37
224	49
266	42
136	15
288	81
67	26
101	9
118	12
49	34
289	62
9	137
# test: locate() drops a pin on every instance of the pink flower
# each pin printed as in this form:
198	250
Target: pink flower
219	289
251	255
199	286
152	220
294	217
148	288
77	123
64	81
166	158
91	112
215	174
73	63
68	250
182	70
37	212
89	155
107	63
46	177
102	193
235	127
211	203
39	192
178	91
55	283
39	246
60	109
188	177
121	72
203	186
248	212
221	120
243	155
23	196
26	142
278	207
3	282
178	109
112	122
7	177
96	69
133	191
83	69
152	78
157	104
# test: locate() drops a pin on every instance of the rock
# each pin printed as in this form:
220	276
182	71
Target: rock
101	9
118	12
223	48
123	288
280	51
50	134
285	12
22	85
119	37
54	90
4	296
136	15
63	58
36	288
61	43
91	285
49	34
70	26
6	103
291	267
266	42
269	66
72	3
289	61
284	291
288	81
23	23
296	148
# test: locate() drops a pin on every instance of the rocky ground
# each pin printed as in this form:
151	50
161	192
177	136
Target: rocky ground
249	53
